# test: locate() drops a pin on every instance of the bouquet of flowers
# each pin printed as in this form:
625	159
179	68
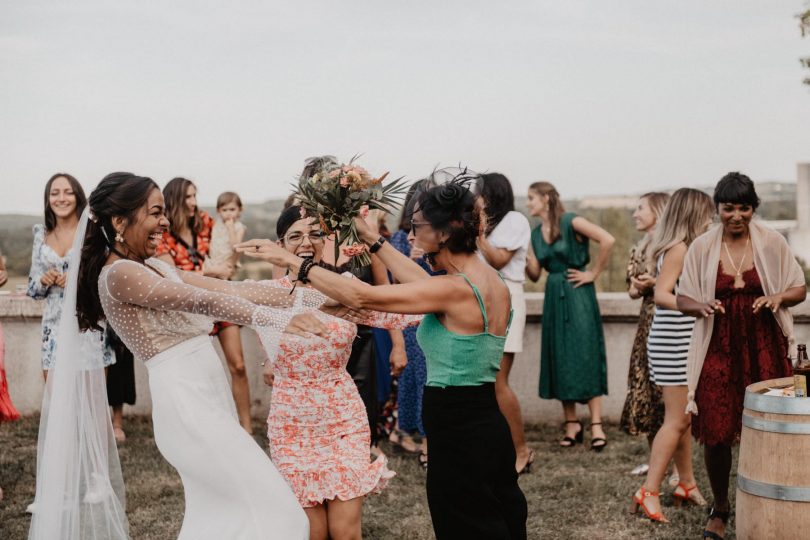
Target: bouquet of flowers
336	193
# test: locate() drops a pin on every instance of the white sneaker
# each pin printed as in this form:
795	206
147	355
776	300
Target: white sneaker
641	469
31	508
97	489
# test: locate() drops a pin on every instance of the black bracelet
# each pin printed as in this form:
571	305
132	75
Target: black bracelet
303	270
375	247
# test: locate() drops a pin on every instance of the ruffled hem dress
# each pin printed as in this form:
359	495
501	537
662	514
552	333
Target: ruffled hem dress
317	428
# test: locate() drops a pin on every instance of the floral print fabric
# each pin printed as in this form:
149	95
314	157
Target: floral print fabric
183	259
44	258
317	428
411	385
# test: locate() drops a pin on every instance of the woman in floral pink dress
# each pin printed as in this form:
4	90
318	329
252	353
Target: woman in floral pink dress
317	428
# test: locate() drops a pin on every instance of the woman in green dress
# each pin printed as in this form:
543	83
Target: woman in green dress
573	366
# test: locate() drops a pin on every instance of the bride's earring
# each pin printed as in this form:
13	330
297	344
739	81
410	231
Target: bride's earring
119	237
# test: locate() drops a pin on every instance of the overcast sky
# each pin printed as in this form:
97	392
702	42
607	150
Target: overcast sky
597	97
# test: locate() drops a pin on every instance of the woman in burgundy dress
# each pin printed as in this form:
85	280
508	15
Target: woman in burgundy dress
738	280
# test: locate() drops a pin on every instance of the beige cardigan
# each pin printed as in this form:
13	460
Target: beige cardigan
778	271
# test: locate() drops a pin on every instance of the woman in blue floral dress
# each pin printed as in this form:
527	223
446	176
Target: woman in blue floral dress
64	203
411	383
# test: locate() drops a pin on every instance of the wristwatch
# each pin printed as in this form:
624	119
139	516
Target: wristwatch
375	247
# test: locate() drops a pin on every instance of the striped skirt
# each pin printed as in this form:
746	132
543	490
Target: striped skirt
668	347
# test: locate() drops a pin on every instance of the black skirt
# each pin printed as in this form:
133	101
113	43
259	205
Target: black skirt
120	375
362	366
472	485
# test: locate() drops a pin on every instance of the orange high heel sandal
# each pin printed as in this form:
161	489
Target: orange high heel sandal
638	501
684	495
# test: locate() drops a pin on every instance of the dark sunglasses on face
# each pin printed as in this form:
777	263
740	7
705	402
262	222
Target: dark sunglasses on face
415	224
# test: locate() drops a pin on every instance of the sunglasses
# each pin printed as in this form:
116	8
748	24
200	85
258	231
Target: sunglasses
416	224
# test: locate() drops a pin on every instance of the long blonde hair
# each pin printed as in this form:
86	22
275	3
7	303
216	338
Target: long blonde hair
683	220
657	201
555	207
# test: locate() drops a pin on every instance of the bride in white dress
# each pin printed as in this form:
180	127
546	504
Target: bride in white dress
232	490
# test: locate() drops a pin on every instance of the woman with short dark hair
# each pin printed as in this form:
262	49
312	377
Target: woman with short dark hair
317	429
738	280
471	480
411	383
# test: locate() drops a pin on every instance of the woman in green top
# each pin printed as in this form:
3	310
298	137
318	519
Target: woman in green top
573	366
471	481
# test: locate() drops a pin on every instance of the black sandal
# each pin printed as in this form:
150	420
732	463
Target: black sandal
528	467
578	438
716	514
597	447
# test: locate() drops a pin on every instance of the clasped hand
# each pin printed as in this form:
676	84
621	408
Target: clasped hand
53	278
643	283
336	309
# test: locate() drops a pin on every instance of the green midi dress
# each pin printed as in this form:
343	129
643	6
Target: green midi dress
573	365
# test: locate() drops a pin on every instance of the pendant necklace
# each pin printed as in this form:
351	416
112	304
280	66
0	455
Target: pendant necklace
739	283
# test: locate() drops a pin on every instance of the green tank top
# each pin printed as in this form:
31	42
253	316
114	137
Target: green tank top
461	359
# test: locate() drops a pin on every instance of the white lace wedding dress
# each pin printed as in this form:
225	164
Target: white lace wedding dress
232	490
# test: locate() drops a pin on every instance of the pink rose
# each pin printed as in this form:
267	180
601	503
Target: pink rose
345	181
354	249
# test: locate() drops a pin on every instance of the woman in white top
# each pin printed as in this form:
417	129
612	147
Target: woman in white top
504	244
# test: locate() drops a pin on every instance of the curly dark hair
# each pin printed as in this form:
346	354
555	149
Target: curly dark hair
450	208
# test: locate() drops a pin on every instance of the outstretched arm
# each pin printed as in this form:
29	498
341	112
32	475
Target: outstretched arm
133	283
428	295
263	293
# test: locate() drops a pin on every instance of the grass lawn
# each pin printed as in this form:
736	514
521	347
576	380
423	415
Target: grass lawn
572	494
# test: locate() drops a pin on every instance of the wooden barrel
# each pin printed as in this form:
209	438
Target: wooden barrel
773	474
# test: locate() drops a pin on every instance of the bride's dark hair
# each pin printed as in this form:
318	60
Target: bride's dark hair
118	194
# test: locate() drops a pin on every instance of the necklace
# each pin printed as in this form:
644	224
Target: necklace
738	280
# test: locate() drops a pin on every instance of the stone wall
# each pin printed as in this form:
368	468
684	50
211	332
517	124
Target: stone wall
20	317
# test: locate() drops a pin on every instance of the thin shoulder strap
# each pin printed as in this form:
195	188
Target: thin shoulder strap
480	301
511	309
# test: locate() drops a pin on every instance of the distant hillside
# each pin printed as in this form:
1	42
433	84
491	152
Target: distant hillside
16	238
260	219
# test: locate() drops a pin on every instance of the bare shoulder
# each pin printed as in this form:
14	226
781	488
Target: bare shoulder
675	255
678	250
